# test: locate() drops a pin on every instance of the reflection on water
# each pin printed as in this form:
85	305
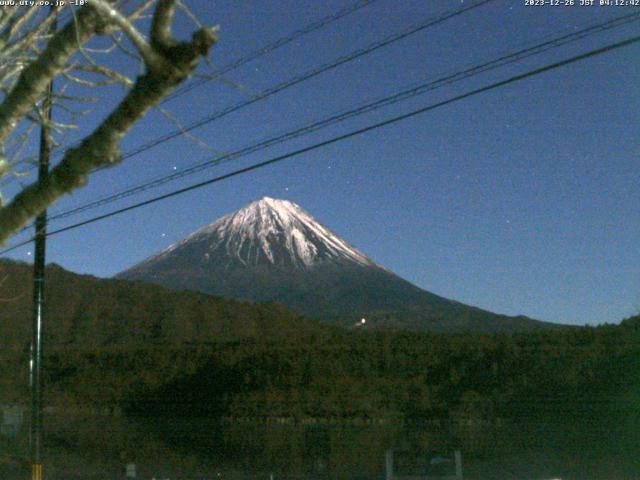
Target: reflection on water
99	447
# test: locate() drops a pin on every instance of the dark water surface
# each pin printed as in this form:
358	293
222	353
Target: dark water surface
99	447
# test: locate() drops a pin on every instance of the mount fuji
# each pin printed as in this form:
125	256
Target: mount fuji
272	250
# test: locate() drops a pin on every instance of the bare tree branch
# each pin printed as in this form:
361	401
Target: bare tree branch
161	24
138	12
34	79
201	143
171	63
150	56
111	75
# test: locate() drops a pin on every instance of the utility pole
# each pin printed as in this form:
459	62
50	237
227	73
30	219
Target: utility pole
38	290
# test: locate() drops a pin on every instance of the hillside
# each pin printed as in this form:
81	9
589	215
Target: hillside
86	315
92	312
147	350
273	250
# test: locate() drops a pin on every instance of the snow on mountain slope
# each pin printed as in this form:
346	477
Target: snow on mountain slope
272	250
271	231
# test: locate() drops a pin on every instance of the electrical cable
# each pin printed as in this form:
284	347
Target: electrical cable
318	24
342	137
430	22
365	108
271	47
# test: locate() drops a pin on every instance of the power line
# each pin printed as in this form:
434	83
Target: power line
431	21
304	77
403	95
281	42
272	46
340	138
365	108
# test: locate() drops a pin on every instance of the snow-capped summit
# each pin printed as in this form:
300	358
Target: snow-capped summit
271	231
272	250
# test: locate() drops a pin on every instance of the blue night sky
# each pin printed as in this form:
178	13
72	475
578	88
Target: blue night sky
522	200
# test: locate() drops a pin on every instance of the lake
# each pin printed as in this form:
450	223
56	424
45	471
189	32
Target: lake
99	447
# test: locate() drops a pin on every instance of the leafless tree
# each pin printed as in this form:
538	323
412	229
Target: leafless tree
32	54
